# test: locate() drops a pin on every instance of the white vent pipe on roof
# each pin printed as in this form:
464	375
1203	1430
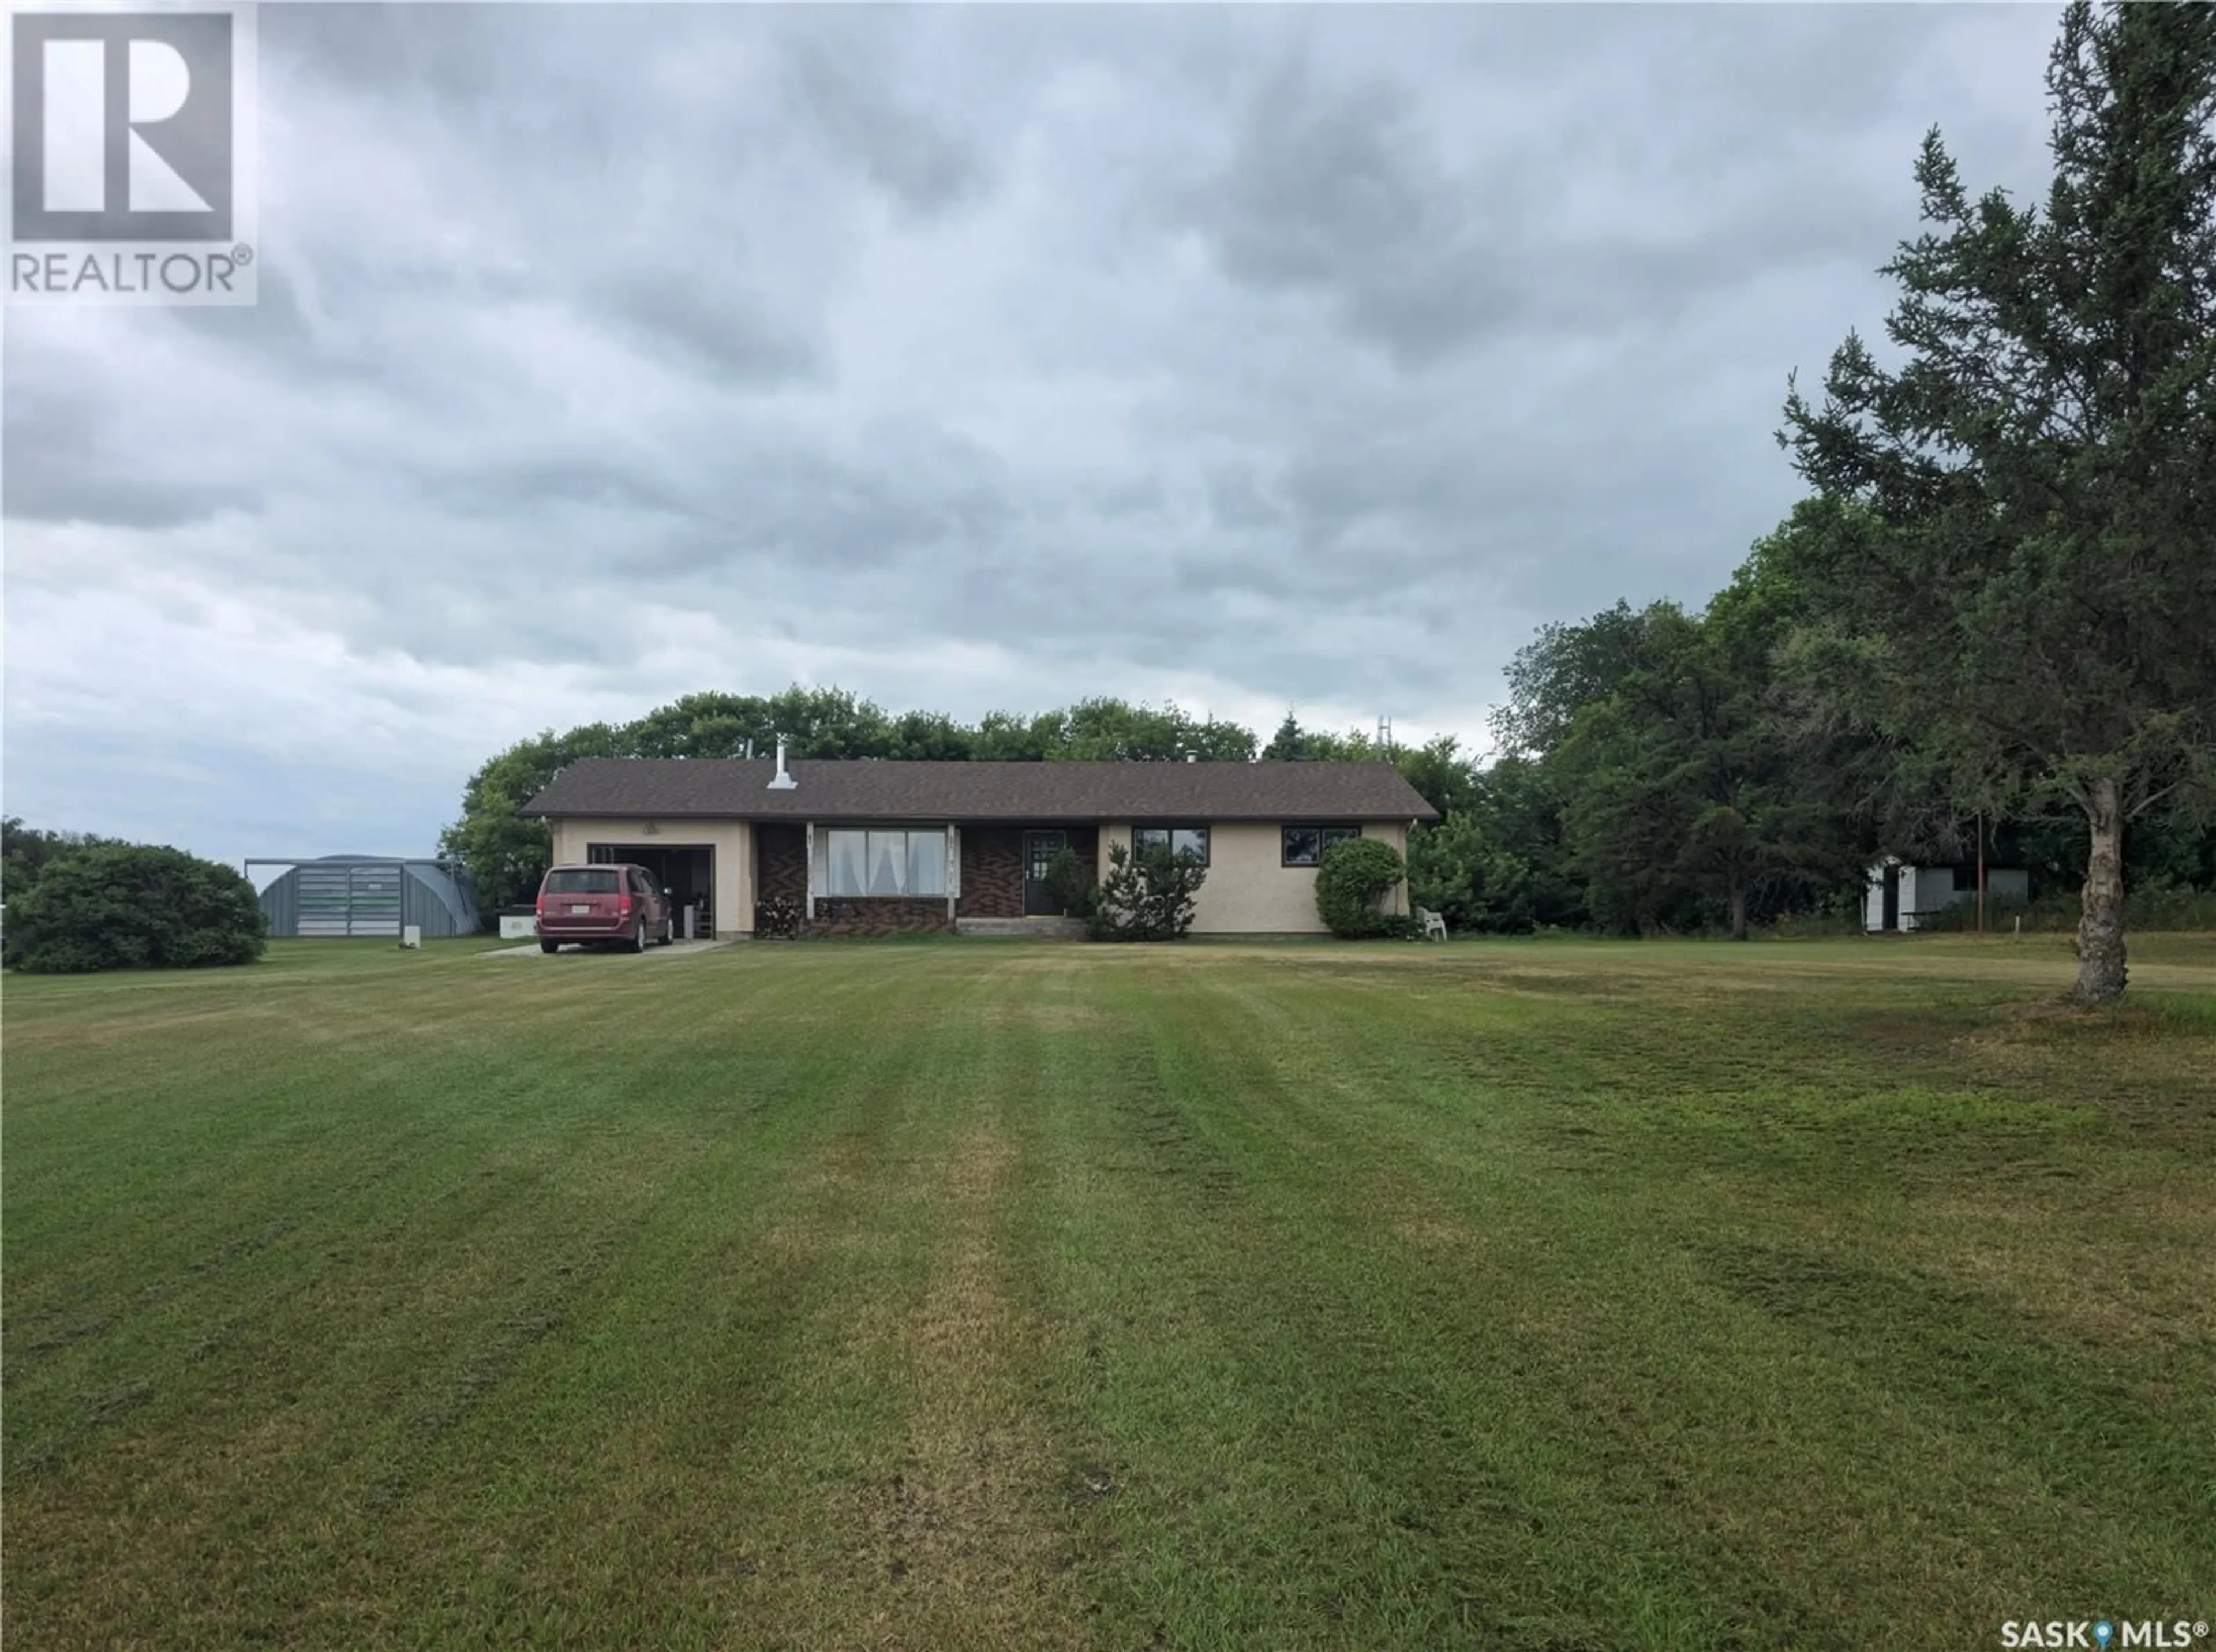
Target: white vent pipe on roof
783	781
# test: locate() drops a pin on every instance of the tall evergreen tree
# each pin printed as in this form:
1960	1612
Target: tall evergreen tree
2030	589
1293	744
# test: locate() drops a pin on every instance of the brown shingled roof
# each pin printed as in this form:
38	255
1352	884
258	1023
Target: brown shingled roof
891	790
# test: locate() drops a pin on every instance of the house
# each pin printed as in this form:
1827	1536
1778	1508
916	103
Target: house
878	847
1898	896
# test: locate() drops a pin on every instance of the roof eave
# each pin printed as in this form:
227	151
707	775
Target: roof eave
1271	817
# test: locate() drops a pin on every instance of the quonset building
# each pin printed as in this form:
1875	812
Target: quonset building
343	895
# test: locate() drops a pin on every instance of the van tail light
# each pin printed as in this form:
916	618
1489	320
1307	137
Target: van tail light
539	905
623	906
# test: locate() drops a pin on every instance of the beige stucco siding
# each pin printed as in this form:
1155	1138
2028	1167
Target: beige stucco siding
732	841
1248	891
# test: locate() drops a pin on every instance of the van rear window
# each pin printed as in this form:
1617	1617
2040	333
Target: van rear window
584	881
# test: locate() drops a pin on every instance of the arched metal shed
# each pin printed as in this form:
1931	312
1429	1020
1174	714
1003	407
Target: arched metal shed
337	895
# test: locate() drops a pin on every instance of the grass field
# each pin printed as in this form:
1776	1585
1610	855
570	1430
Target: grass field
1549	1295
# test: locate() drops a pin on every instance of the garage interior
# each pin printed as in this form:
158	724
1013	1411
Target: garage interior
686	871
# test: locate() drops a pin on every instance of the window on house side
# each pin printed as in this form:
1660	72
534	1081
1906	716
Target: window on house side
1178	840
1303	845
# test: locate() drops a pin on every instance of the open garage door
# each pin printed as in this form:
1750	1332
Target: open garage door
687	871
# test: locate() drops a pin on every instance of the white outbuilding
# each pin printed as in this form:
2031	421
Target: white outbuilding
1904	897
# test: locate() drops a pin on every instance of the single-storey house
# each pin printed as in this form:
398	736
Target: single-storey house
875	847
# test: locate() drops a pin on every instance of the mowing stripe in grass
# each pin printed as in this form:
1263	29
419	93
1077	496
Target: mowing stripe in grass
1574	1295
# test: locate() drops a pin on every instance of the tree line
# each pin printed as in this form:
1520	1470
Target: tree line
1667	771
2000	601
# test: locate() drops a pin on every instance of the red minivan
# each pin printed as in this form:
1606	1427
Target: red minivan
620	905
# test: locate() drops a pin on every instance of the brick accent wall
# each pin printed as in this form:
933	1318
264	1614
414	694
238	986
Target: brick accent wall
877	915
992	872
781	862
993	867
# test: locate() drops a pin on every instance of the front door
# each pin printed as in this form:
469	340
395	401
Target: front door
1039	850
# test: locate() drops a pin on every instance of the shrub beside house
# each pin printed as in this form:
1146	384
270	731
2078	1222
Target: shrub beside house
1352	881
1149	896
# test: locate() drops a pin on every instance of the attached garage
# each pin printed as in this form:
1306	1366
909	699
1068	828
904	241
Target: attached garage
685	871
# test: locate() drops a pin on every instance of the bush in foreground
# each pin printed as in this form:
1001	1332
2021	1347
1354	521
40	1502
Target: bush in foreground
1352	878
1151	898
777	917
1069	885
134	907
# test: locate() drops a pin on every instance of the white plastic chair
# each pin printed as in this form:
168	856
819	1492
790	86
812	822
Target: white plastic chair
1435	927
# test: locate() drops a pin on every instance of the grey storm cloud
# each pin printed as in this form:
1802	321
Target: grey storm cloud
968	358
69	461
865	119
693	329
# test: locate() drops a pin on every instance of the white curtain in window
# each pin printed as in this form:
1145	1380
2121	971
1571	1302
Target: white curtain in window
927	862
885	863
847	872
888	864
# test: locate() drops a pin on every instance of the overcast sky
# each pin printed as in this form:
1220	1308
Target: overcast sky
964	359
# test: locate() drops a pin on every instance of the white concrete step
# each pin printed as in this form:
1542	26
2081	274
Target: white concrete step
1022	929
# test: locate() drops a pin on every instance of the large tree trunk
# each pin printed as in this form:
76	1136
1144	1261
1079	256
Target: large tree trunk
1739	911
2100	930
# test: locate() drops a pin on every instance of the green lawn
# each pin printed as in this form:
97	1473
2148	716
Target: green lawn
1542	1295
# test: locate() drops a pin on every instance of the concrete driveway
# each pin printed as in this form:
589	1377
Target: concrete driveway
675	949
